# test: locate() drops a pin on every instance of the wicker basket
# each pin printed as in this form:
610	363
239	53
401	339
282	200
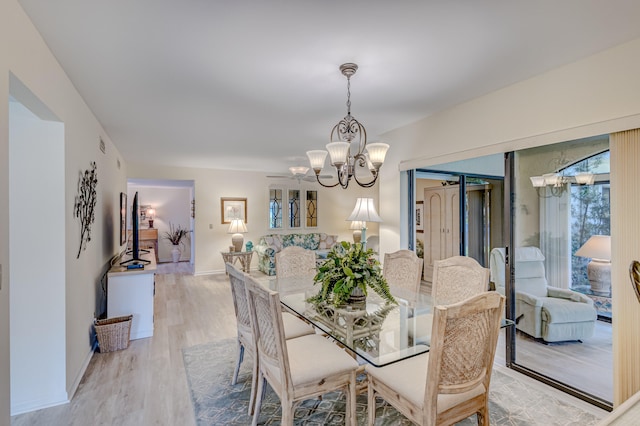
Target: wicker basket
113	333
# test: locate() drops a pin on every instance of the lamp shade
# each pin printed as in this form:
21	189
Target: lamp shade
585	178
237	227
551	179
377	151
597	247
338	151
299	170
316	158
151	213
537	181
365	211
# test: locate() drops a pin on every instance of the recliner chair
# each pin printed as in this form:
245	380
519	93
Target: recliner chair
542	311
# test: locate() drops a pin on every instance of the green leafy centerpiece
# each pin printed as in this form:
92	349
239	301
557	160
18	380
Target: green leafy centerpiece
347	274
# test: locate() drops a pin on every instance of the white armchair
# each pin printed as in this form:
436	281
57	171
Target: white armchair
542	311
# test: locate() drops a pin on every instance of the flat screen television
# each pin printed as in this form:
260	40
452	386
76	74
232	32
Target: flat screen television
135	236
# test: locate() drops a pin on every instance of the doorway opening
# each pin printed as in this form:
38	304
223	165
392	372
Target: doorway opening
166	204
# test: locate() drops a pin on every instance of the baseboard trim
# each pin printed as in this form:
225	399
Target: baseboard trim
74	386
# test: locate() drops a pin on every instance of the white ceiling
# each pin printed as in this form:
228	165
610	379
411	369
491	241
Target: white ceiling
254	84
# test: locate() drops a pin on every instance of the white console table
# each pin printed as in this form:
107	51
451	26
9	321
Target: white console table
131	292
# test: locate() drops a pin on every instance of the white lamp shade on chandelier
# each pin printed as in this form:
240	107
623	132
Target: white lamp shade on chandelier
598	249
237	228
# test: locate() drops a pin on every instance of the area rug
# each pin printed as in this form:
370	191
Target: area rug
209	368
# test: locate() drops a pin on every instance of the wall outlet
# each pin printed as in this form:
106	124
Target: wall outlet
211	226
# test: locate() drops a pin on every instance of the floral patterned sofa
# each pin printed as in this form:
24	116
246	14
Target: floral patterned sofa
269	245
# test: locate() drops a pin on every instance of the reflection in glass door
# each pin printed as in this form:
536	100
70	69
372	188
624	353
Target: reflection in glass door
562	334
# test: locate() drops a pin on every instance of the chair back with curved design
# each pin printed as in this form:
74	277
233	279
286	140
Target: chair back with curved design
458	278
463	345
403	269
294	261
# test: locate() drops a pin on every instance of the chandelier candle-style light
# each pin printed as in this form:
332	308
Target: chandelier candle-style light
347	134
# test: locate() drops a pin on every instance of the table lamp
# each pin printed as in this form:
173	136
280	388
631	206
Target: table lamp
364	212
237	228
151	214
357	226
598	249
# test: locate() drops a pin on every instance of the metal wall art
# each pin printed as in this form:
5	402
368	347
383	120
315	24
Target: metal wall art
634	273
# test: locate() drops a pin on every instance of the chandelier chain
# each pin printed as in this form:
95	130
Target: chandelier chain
348	96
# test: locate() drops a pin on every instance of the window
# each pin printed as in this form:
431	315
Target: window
590	215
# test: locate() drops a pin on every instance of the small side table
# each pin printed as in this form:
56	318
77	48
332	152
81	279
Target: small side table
243	256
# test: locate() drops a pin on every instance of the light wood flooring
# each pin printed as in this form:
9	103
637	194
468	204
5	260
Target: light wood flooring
587	366
145	384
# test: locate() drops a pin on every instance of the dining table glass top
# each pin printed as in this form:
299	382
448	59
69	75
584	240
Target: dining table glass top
379	333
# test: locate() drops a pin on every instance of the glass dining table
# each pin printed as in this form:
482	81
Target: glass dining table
380	333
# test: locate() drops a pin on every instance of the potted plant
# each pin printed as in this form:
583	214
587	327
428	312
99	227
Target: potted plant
176	235
349	271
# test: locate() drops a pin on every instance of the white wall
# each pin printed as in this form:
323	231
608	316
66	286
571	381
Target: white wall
37	261
334	206
172	206
25	57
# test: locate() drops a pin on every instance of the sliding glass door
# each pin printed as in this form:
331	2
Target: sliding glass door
559	200
533	237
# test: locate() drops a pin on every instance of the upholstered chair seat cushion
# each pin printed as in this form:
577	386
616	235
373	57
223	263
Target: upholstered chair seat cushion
325	356
295	327
409	378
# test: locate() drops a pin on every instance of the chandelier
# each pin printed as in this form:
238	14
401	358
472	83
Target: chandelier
557	184
347	134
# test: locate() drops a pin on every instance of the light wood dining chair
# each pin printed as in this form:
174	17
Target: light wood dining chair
454	279
294	261
457	278
403	269
296	369
451	381
294	327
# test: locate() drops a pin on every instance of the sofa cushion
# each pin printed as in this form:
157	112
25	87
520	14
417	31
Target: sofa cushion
306	241
327	241
272	240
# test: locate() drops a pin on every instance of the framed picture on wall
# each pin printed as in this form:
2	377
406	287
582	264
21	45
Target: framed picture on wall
233	208
419	216
123	218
